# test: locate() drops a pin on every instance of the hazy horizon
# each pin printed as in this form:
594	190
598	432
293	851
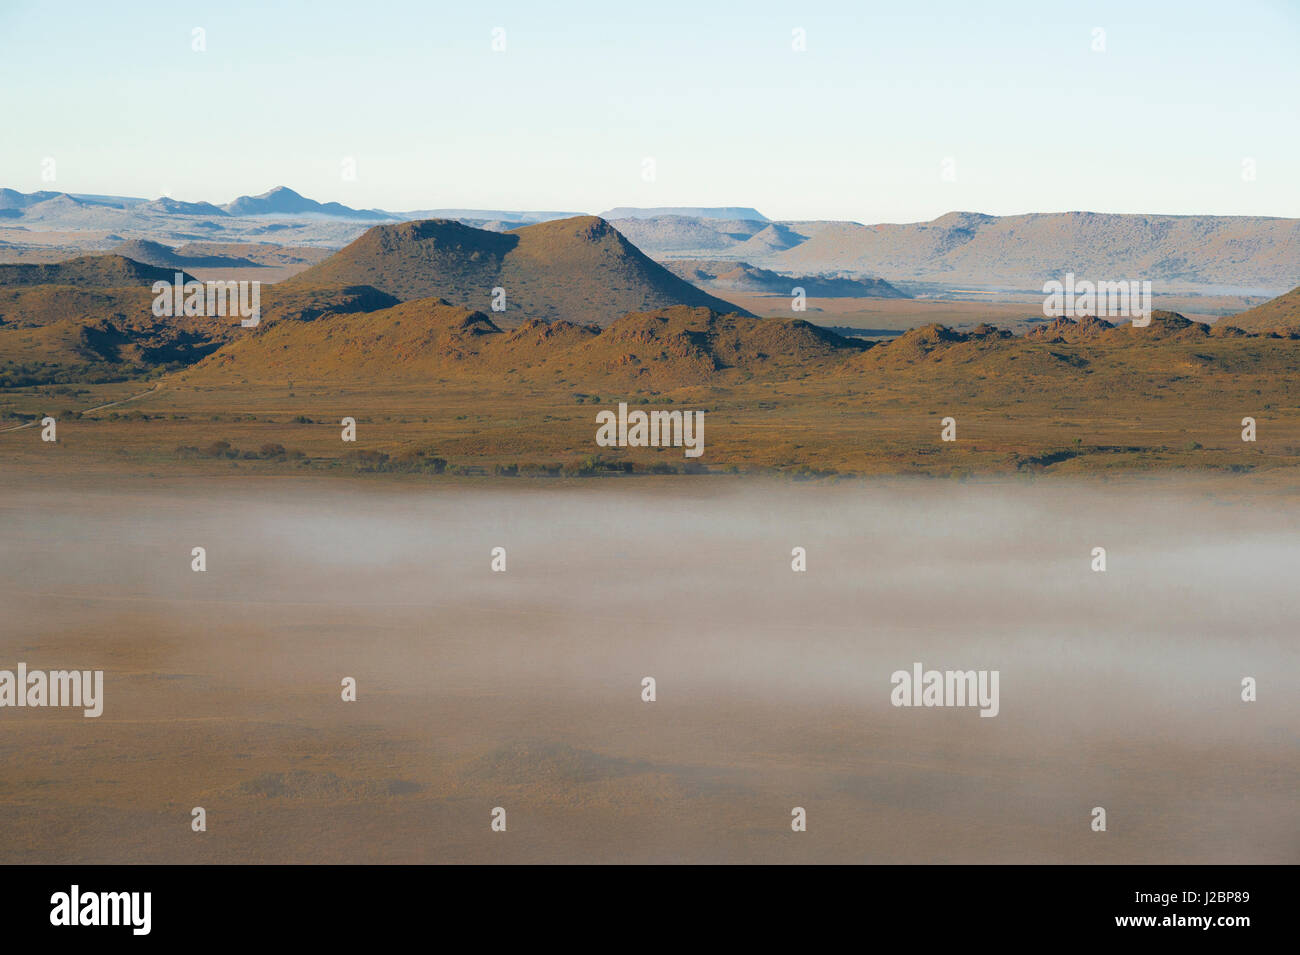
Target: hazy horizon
861	125
598	212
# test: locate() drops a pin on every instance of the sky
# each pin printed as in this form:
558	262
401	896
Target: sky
893	112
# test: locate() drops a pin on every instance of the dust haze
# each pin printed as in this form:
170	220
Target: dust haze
522	689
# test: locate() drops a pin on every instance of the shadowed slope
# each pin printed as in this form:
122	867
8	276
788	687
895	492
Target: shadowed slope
1281	314
579	269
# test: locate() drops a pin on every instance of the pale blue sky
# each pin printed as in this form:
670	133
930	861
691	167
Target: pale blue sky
856	127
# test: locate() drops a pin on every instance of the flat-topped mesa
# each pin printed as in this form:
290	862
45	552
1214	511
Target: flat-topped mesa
726	275
90	271
699	212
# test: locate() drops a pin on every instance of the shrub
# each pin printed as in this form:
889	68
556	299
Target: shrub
366	459
534	469
420	459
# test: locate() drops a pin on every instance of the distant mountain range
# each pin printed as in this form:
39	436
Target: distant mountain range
283	201
280	202
1251	255
1210	254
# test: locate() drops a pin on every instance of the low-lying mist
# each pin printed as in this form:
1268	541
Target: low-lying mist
523	689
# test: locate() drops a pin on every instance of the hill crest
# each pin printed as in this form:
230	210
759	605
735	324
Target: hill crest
90	271
579	269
